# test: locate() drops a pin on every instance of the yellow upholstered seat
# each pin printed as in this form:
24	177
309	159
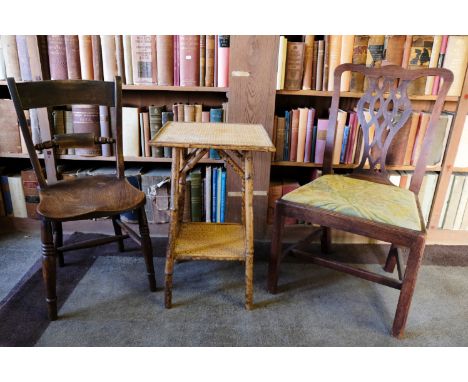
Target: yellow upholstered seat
360	198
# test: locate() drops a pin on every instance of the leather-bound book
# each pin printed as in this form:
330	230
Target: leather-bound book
322	126
326	58
165	57
309	135
301	134
198	112
176	62
57	57
23	57
294	134
86	120
97	58
279	140
346	57
196	195
294	66
154	61
440	64
202	59
86	57
41	42
420	56
141	59
215	68
406	51
334	55
180	112
104	126
189	60
397	149
394	47
308	62
375	51
456	60
175	112
119	56
359	58
146	134
155	121
319	70
165	117
9	132
31	192
10	55
127	46
209	60
433	63
205	116
313	82
130	132
223	60
109	59
72	51
189	113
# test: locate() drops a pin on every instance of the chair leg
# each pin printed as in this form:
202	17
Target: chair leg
118	231
146	247
409	282
49	268
275	252
59	242
325	240
391	261
168	282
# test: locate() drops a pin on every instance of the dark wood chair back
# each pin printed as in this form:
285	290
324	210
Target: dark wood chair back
43	95
386	99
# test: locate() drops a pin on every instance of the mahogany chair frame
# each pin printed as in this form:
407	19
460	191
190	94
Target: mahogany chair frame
43	96
386	95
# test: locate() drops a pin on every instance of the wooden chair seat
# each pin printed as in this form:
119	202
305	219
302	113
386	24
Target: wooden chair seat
379	203
82	197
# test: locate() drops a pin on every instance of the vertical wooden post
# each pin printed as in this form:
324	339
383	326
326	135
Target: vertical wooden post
181	185
49	268
249	229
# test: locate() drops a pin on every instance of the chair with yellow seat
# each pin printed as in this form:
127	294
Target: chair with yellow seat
365	202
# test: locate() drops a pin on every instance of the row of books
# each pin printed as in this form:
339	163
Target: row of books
455	210
301	137
139	125
308	62
278	188
205	198
184	60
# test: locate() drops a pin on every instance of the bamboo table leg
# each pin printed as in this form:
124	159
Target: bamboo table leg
249	232
173	227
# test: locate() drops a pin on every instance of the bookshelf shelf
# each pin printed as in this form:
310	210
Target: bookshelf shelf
204	89
351	166
317	93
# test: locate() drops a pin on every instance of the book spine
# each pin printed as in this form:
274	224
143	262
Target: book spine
406	51
10	55
155	122
189	113
359	58
3	74
214	193
31	192
326	60
189	60
198	113
23	58
294	66
308	62
97	58
301	134
127	47
141	60
440	64
130	132
195	196
310	128
223	60
208	194
17	196
215	66
216	115
176	61
346	57
109	60
119	56
72	51
433	63
218	196
209	60
42	46
86	57
86	120
6	195
334	58
202	59
321	137
165	57
167	116
223	197
344	144
154	61
104	126
287	135
145	127
314	65
57	57
294	135
319	70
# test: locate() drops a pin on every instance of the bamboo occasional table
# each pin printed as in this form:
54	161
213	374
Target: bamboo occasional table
211	241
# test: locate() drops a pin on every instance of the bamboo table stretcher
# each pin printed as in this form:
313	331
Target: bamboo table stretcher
211	241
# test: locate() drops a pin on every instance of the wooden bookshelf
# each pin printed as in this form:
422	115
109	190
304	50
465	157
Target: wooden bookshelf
204	89
349	166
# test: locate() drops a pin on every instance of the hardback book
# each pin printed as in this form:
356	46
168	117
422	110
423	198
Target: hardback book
5	188
165	59
189	113
326	59
145	134
346	56
68	120
457	224
223	60
319	72
340	125
207	194
287	135
198	112
322	126
127	47
86	57
31	192
10	141
394	46
359	58
279	139
109	59
155	183
288	186
281	71
406	51
216	115
141	59
415	116
309	135
214	193
130	132
119	56
37	53
313	82
202	59
422	128
294	134
105	130
59	126
222	202
72	51
275	191
433	63
375	51
294	66
352	140
440	63
454	200
10	56
180	112
461	159
176	61
86	120
155	123
334	54
419	58
219	191
165	117
437	149
397	149
154	61
209	60
97	58
344	143
456	59
57	57
308	62
464	222
196	195
215	68
189	60
301	134
2	69
18	201
314	141
23	57
205	116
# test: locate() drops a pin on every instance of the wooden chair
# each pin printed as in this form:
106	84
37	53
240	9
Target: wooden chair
80	198
365	202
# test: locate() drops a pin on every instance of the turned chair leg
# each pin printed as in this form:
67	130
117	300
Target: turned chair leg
118	232
49	268
275	252
325	240
409	282
59	242
146	247
391	261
